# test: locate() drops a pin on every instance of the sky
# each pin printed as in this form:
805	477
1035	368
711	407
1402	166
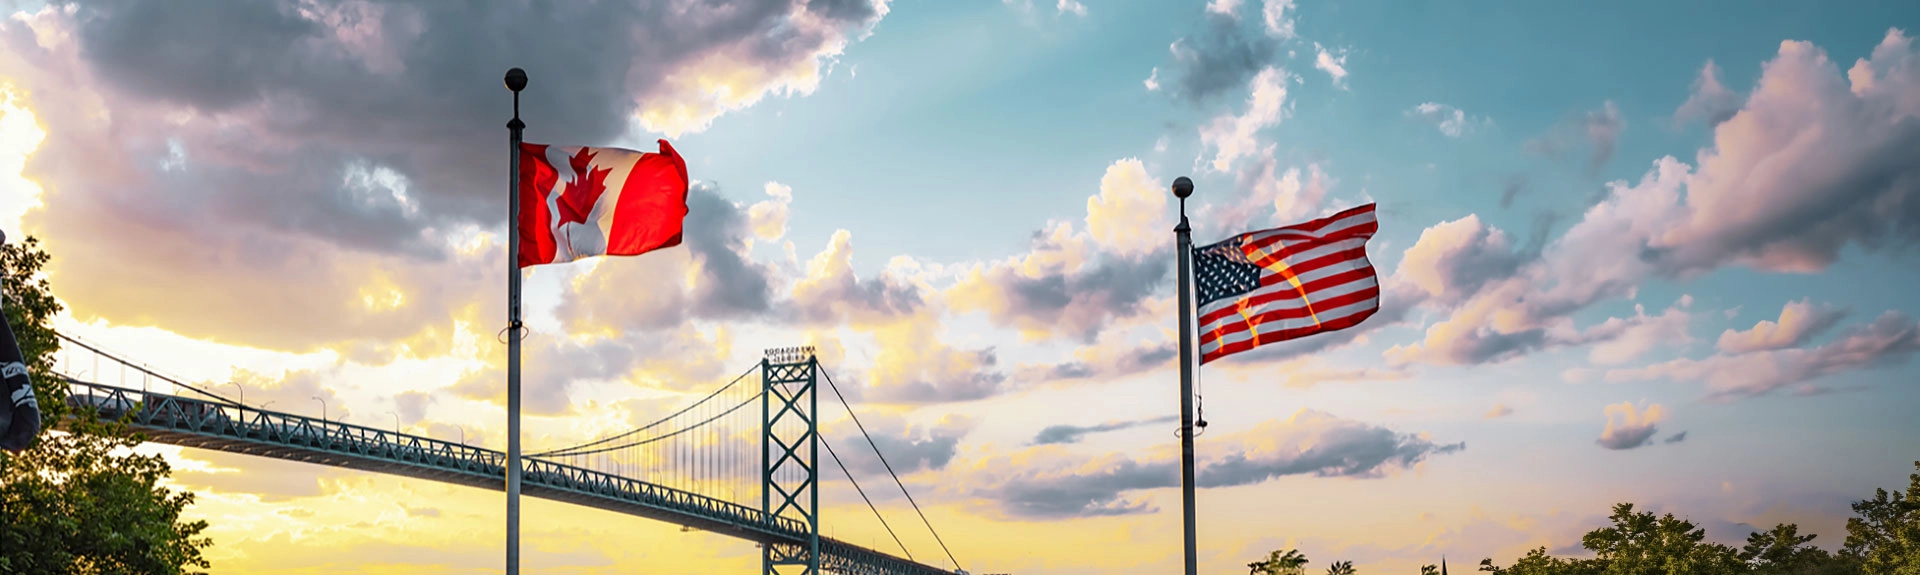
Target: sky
1630	252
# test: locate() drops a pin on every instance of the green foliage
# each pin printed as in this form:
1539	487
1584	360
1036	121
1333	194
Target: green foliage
1882	539
1290	563
1340	568
80	500
1784	551
1640	544
1885	534
1429	570
30	309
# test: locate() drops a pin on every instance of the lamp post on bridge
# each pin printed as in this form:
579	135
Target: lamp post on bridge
396	422
323	408
243	391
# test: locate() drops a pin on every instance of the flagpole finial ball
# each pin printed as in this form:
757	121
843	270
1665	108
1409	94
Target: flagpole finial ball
516	79
1182	187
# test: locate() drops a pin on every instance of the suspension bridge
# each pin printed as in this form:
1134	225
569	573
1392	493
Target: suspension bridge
742	461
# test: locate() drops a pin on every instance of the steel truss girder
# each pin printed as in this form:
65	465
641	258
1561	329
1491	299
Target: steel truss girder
221	426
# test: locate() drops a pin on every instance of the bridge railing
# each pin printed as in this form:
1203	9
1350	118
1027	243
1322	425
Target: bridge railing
229	421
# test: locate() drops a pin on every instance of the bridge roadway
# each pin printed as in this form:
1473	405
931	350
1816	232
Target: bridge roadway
220	426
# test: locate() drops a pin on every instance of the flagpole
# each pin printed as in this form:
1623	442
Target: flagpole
516	81
1183	187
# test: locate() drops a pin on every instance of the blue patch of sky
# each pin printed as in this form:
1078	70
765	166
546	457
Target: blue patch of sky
961	133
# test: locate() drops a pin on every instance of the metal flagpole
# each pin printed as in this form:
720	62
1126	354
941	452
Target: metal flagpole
1183	187
516	81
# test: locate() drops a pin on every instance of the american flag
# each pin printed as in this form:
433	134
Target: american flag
1285	283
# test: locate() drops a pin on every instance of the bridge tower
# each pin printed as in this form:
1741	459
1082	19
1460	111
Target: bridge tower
789	450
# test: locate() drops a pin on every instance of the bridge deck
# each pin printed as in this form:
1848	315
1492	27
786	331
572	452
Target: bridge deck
231	428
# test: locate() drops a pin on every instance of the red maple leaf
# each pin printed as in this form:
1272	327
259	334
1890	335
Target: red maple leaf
576	201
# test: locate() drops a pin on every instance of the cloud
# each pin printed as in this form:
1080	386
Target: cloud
1632	428
208	472
1072	284
1711	101
1889	340
1234	137
1482	333
1516	185
290	392
1153	80
908	449
1305	378
1273	13
1065	6
1130	209
768	218
1675	438
1804	169
1104	361
1451	121
1307	443
1224	7
1072	433
830	292
1056	300
1800	322
411	406
683	359
1621	340
711	278
1599	129
915	366
1453	260
1221	59
1333	63
1809	165
310	151
1499	410
1264	198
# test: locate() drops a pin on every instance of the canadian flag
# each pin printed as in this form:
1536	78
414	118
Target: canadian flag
579	202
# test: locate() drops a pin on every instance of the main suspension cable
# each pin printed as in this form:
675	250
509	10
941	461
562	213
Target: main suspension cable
689	407
863	497
681	455
883	462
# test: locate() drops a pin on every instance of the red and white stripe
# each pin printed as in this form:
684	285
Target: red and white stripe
1315	278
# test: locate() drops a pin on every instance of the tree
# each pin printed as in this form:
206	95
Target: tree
28	301
1290	563
1885	535
1641	544
1429	570
1538	562
1784	551
80	500
1340	568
